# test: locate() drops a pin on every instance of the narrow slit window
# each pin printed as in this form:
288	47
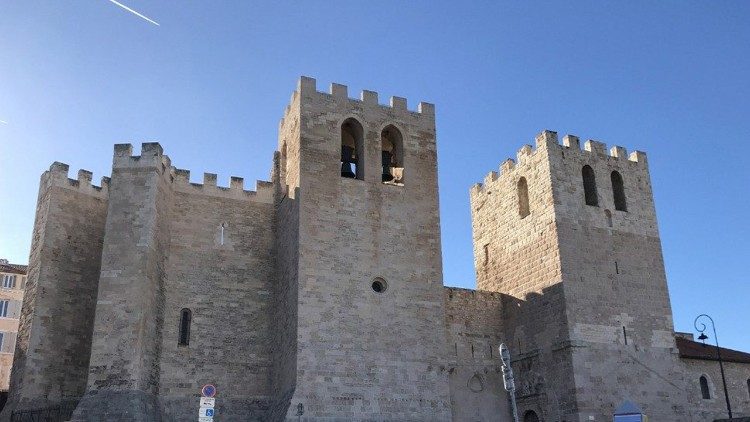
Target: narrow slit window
618	191
589	186
705	392
185	318
352	150
392	155
523	198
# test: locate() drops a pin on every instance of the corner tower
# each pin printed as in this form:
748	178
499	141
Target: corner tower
570	236
360	261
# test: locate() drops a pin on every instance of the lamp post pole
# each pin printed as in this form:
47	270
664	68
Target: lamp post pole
508	381
703	337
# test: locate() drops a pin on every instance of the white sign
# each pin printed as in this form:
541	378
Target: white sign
205	419
208	402
206	411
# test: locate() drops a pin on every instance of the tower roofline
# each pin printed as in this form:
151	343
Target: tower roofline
307	86
547	140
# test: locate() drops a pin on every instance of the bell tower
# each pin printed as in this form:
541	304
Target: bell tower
361	284
570	236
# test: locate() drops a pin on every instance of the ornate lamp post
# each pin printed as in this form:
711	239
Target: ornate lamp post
508	380
703	338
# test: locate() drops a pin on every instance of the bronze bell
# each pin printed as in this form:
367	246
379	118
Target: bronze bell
346	162
386	157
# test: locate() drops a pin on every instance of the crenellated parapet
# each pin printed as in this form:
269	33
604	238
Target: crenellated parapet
307	87
236	190
152	155
58	176
547	143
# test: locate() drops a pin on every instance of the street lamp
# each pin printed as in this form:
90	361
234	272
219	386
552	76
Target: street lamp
508	380
703	337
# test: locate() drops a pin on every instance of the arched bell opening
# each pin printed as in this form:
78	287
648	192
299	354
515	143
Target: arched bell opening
392	155
352	150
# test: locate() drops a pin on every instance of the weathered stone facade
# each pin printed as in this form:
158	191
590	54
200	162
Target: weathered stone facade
320	297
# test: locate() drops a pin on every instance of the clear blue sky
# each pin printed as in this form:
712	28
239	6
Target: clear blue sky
210	84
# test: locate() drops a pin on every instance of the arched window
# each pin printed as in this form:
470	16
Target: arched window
589	186
618	190
185	317
352	150
392	154
523	198
705	393
530	416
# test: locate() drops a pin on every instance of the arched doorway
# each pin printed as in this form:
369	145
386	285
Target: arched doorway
530	416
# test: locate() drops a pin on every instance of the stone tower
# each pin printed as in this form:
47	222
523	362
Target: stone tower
359	260
570	236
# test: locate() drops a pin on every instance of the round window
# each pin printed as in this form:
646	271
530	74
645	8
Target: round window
379	285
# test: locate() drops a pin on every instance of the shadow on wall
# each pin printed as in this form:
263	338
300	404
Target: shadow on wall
534	330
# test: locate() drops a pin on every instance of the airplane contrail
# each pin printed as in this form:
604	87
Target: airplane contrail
133	12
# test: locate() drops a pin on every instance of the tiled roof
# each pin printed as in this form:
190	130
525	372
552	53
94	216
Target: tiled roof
13	268
695	350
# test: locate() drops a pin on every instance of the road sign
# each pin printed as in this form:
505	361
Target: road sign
205	419
206	411
208	402
208	390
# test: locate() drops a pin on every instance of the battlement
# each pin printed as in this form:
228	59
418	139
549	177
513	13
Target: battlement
308	87
547	141
58	174
152	154
236	190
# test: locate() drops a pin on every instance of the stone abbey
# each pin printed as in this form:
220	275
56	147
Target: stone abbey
305	300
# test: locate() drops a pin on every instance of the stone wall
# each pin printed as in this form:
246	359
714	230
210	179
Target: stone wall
225	280
285	309
617	303
519	256
363	354
474	322
738	385
124	368
53	344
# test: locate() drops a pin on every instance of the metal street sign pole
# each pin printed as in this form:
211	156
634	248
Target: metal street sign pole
508	381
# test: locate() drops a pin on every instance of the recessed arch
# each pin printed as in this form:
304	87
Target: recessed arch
523	197
530	416
352	149
589	186
392	154
705	391
475	383
618	191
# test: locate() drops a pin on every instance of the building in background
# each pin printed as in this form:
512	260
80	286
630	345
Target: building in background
13	278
